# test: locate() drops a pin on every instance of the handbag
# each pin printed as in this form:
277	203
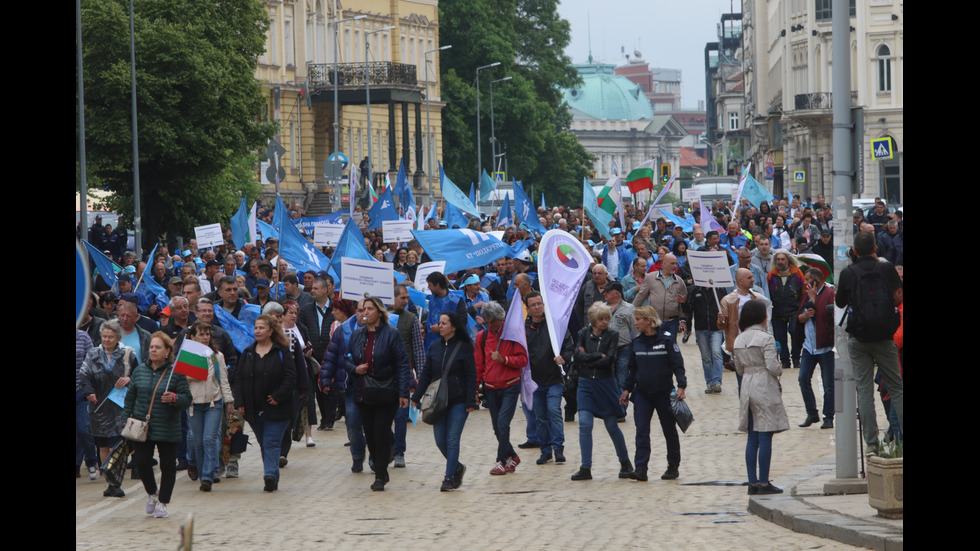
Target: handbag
136	429
375	390
115	464
436	398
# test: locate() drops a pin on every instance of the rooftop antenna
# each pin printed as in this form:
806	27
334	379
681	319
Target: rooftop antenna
590	35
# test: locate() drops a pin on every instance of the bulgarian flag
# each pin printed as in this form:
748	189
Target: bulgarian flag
641	177
816	261
192	360
610	196
374	194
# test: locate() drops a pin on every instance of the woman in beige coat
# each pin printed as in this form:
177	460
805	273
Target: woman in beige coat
761	411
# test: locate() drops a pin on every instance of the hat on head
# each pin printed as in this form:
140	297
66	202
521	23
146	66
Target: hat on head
187	252
471	279
175	281
442	223
130	269
212	263
615	231
613	286
261	283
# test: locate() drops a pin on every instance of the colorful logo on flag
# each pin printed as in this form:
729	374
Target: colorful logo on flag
566	255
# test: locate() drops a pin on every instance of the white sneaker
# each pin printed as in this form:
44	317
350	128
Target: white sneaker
151	504
93	473
161	510
309	442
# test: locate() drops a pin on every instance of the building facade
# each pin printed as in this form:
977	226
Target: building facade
788	101
305	41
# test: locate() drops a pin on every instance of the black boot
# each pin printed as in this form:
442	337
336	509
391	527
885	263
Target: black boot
625	469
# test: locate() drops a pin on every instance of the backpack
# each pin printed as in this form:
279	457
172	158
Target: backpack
872	315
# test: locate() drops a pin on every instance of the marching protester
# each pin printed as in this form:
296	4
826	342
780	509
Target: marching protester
209	397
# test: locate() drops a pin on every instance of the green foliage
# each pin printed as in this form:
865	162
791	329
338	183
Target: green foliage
528	38
891	449
198	104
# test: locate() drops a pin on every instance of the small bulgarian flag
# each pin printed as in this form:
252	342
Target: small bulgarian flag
374	194
192	360
817	262
641	177
609	196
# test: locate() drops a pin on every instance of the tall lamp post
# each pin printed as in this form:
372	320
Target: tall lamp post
367	88
479	144
493	137
428	129
336	101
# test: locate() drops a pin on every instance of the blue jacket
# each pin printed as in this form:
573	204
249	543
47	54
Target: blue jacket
654	362
332	370
625	260
437	307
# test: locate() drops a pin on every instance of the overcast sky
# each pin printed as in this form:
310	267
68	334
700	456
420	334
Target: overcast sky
670	34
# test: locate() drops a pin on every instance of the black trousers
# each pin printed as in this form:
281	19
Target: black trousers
377	420
168	467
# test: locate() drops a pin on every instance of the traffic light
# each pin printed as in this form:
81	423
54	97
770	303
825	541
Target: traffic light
664	173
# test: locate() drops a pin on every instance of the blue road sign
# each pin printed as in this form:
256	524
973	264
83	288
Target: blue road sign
82	284
338	156
882	149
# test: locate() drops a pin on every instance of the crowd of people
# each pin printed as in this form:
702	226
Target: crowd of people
312	352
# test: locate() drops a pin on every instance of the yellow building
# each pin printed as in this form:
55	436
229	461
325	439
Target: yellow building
305	41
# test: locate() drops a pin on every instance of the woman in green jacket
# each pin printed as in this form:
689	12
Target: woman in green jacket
155	385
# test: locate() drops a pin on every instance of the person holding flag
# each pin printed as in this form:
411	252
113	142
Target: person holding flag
499	364
155	394
207	376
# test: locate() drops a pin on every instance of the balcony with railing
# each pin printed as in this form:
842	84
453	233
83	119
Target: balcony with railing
383	74
816	104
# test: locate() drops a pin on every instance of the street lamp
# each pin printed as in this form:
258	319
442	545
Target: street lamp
336	116
428	129
367	88
479	145
493	139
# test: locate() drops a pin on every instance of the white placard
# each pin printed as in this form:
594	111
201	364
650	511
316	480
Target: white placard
690	195
397	231
367	278
327	235
710	268
208	236
423	272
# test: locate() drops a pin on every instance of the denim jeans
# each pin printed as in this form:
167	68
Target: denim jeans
671	326
531	425
355	431
205	444
502	404
709	343
84	444
585	421
643	408
758	449
780	330
401	428
447	431
269	434
623	371
807	365
547	413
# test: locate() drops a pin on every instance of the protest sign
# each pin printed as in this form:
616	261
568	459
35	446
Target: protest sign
397	231
327	235
423	272
367	278
208	236
710	268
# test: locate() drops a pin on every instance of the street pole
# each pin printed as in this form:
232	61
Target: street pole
336	110
428	128
83	179
493	135
843	171
479	144
367	90
137	218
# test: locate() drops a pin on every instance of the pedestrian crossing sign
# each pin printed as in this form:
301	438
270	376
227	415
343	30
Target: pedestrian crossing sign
881	149
799	176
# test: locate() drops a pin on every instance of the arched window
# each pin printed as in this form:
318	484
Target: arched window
884	69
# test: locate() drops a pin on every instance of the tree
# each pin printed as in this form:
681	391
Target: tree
527	37
198	105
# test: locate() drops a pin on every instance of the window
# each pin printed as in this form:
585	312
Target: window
733	121
288	32
823	10
884	69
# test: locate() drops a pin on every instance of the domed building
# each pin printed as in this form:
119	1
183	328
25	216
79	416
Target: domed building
614	120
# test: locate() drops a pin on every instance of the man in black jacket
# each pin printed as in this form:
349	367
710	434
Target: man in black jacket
318	317
546	371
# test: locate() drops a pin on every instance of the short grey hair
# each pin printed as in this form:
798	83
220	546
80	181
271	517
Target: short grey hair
111	325
272	308
492	312
177	300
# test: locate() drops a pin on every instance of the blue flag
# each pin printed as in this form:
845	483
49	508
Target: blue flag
600	218
148	290
755	192
242	336
506	216
309	223
686	223
249	313
279	215
266	230
790	193
453	195
403	189
472	193
383	209
455	217
544	206
526	213
462	249
103	263
239	226
487	185
351	245
298	251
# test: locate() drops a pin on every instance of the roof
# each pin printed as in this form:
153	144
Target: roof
690	158
604	95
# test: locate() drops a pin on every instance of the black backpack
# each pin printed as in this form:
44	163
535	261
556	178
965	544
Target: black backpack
872	315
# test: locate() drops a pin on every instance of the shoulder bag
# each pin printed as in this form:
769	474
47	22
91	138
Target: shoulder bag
436	398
